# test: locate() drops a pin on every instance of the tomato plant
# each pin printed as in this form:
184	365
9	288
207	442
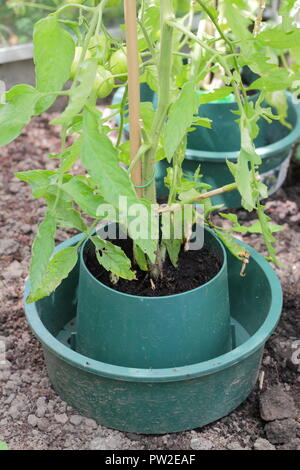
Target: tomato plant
175	59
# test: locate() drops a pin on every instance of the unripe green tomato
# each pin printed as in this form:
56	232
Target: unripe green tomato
74	66
97	41
98	47
118	63
104	82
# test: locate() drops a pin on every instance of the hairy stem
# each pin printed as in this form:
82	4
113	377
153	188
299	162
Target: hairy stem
164	79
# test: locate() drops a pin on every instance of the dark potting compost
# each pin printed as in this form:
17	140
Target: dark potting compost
195	268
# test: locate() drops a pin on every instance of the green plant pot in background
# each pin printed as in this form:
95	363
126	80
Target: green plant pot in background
154	332
210	148
160	400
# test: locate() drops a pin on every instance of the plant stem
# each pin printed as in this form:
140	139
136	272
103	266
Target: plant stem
178	206
164	79
262	6
74	5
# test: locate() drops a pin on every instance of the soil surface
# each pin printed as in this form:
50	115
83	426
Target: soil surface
194	269
32	416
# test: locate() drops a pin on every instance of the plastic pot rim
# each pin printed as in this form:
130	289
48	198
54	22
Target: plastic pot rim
155	299
264	152
187	372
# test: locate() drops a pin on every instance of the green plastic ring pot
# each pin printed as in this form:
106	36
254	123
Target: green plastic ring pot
154	332
160	400
210	148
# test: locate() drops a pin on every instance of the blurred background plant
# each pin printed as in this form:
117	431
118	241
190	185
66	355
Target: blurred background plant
17	17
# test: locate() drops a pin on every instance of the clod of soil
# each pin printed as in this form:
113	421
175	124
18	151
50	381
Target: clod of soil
195	268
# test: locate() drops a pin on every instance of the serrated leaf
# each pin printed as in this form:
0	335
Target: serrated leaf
42	250
253	228
100	158
238	23
172	234
80	93
279	79
269	239
70	156
231	243
188	195
54	50
39	180
113	258
147	115
278	99
232	217
288	16
140	257
201	121
151	77
124	152
180	118
215	95
58	268
16	113
65	214
84	196
277	38
242	176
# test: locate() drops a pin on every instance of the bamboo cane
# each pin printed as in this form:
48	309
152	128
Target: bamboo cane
133	89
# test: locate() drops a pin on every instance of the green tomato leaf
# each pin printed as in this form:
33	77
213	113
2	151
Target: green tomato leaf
151	77
58	268
42	250
39	180
113	258
242	175
17	111
279	79
69	156
231	243
83	195
181	117
147	115
140	257
54	50
239	23
100	158
65	214
254	228
172	234
269	239
80	92
218	94
278	100
277	38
